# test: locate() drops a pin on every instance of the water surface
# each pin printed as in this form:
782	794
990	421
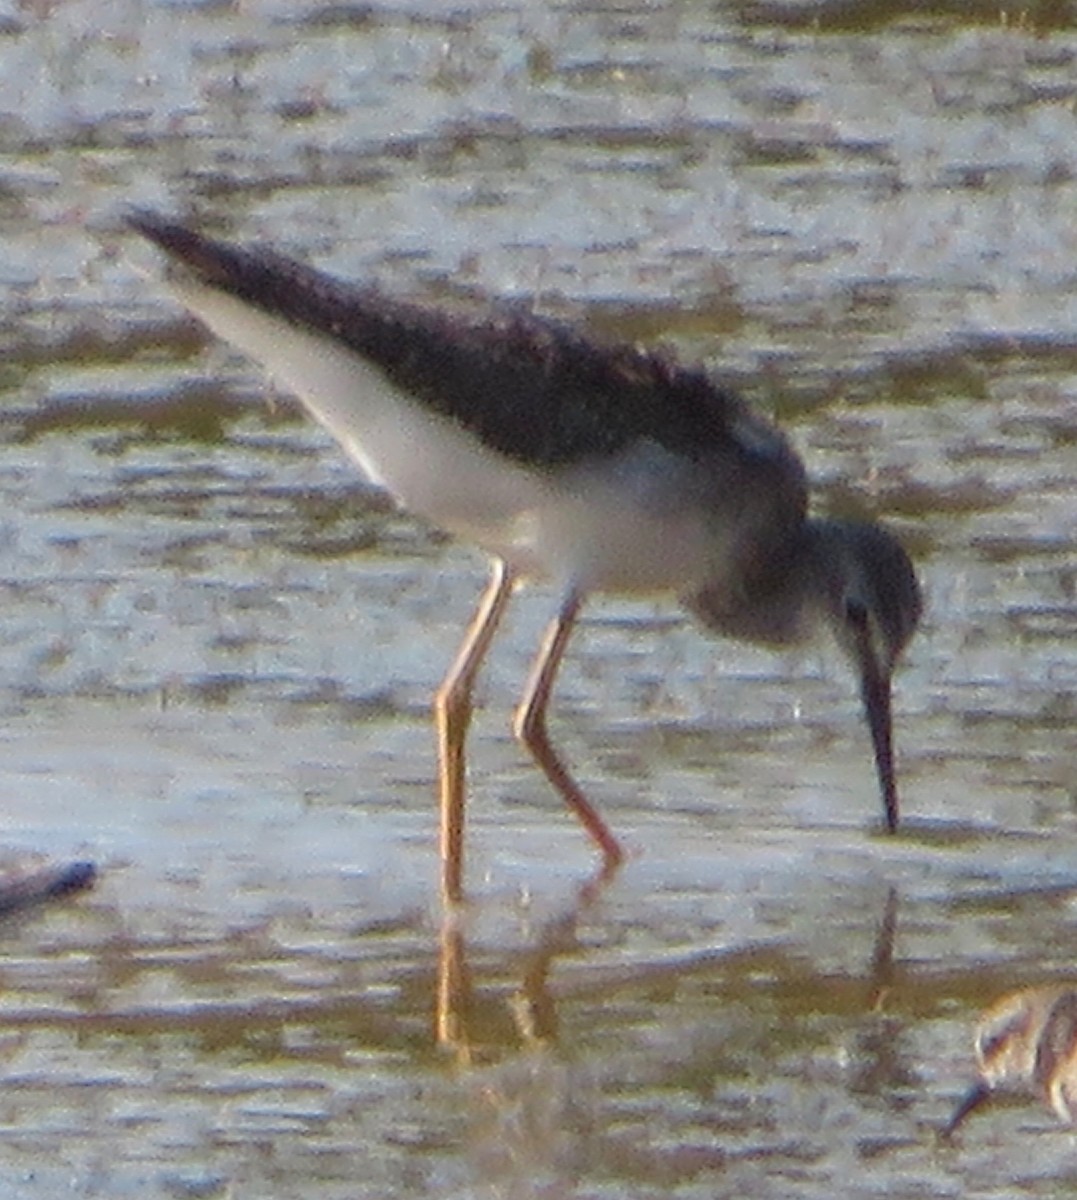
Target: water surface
218	644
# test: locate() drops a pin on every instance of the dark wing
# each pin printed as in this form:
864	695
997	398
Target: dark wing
531	388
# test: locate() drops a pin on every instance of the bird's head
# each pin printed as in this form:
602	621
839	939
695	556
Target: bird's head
872	604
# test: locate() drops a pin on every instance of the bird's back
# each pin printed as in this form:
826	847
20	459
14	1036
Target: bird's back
533	389
563	454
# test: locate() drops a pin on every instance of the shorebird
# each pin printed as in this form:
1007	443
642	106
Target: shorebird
1026	1042
597	467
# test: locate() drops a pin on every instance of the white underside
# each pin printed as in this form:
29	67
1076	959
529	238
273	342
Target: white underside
624	525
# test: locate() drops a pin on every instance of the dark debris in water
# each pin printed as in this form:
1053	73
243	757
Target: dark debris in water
22	889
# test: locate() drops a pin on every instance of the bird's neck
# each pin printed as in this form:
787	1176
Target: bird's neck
781	602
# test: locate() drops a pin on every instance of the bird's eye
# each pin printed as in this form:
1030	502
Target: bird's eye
856	612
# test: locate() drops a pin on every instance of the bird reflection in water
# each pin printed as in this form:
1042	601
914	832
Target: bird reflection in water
464	1024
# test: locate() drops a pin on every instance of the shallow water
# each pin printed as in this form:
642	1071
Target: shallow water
218	645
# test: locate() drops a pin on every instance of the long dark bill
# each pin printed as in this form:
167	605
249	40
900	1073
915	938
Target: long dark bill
875	693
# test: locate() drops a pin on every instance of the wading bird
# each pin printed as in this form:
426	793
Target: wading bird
597	467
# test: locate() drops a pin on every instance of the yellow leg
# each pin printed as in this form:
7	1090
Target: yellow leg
452	713
530	729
